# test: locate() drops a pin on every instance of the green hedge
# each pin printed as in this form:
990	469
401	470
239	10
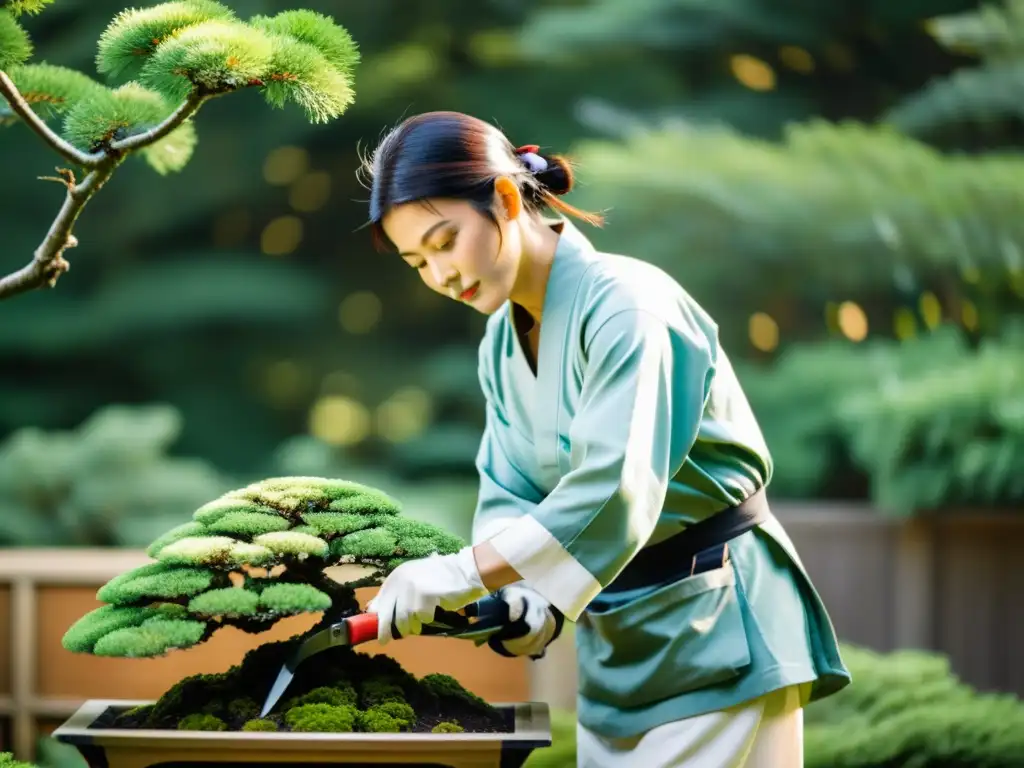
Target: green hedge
929	422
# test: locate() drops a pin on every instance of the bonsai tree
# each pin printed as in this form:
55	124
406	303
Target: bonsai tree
250	558
162	64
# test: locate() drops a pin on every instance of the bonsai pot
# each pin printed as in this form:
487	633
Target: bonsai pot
102	746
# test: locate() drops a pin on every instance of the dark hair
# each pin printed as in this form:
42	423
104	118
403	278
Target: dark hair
456	156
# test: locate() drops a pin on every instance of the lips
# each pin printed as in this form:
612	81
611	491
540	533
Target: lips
470	292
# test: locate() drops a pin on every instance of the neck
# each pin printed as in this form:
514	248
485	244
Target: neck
539	245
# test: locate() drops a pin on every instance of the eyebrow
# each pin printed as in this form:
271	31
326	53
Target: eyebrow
427	234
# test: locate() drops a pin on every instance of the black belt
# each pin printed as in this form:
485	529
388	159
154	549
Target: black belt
697	548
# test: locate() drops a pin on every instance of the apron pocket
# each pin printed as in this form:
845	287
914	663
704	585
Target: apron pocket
679	638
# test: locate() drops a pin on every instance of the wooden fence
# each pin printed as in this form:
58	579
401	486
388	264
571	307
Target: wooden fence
952	584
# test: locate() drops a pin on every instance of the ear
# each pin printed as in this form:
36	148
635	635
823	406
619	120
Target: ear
509	201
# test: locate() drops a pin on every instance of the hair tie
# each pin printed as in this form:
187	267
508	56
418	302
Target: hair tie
534	162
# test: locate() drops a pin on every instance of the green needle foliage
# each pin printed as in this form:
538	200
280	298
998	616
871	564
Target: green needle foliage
251	557
932	422
161	64
135	34
918	409
51	90
15	45
111	115
110	482
981	99
18	7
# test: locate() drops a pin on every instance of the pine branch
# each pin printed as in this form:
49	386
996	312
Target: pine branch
24	111
48	262
184	52
188	108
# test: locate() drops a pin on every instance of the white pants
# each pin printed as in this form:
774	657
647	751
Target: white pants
763	733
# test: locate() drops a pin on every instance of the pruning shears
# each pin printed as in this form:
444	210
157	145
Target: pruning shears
477	621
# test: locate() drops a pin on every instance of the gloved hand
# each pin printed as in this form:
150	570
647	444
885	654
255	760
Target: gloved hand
534	623
415	589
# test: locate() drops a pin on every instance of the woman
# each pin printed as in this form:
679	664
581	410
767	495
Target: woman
622	472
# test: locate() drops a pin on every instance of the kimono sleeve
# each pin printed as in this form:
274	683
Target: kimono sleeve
642	399
506	494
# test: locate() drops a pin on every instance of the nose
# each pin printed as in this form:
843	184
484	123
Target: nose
443	275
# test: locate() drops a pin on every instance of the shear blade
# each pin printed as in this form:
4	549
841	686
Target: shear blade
284	679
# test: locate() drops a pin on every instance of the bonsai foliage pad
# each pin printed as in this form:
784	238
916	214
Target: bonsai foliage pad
141	748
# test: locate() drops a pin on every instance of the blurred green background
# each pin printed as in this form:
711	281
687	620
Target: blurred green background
839	183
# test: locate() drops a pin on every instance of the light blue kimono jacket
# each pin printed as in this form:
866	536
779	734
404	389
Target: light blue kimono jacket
633	427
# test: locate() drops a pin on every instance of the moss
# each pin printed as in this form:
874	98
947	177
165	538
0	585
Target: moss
447	727
374	692
229	601
258	724
374	720
201	722
294	598
321	718
388	717
398	710
189	694
7	761
243	708
447	687
337	696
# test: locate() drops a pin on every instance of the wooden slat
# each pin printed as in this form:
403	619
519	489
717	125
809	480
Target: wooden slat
42	707
23	650
68	566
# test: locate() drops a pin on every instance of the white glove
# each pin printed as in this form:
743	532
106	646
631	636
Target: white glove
415	589
544	622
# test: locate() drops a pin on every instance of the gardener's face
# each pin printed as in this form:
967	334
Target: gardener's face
458	251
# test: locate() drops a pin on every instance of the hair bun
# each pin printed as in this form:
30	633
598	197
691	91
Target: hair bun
552	172
557	178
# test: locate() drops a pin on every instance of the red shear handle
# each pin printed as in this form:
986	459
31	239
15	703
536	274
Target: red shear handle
361	627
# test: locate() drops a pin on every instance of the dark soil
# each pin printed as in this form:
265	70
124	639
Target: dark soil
434	698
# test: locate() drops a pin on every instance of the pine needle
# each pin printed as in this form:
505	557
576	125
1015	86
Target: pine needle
15	45
134	34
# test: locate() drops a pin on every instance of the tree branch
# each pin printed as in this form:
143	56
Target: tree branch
188	108
25	112
48	262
